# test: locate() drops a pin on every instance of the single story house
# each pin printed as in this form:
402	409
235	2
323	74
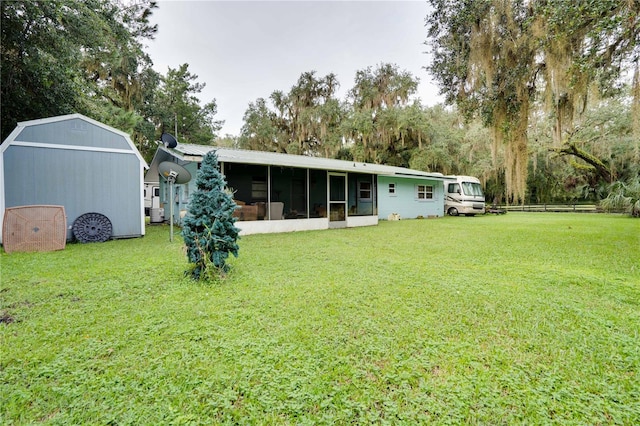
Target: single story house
282	192
78	163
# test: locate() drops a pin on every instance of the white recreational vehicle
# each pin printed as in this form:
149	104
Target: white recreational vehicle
463	195
151	197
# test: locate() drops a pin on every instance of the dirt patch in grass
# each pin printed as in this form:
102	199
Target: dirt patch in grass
6	318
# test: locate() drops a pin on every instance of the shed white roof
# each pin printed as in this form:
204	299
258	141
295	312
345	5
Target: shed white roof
190	152
12	139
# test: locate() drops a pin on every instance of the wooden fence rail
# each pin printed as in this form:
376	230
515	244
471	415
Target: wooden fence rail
578	208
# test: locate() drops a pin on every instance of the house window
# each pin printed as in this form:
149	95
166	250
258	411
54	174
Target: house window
364	191
392	189
424	192
259	189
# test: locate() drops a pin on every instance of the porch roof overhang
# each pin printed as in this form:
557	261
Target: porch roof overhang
194	153
433	176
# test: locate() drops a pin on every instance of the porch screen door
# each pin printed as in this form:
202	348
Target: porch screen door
337	200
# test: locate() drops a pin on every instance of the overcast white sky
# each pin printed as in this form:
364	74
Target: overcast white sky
244	50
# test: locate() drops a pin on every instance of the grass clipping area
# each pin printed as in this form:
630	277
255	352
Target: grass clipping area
521	318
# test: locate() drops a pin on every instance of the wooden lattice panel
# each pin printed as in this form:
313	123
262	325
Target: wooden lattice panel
34	228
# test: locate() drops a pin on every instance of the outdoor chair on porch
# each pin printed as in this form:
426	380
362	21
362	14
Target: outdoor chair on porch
276	210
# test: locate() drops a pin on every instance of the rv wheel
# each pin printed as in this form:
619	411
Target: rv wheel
452	211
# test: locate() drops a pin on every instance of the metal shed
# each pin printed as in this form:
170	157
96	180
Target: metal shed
76	162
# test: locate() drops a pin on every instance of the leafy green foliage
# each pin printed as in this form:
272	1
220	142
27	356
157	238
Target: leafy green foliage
376	123
38	57
383	126
177	106
624	196
352	326
494	59
208	228
606	147
61	57
303	121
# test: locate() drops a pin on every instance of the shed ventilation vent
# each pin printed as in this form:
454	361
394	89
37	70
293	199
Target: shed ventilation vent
34	228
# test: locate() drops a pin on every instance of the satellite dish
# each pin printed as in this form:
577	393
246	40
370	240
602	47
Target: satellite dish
169	140
174	172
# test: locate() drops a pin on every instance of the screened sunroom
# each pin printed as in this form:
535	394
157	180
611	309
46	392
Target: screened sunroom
281	192
301	193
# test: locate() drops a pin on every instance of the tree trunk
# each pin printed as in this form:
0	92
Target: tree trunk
601	169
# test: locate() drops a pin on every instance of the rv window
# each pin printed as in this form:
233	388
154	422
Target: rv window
156	191
453	188
472	188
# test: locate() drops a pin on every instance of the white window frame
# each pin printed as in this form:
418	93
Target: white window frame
259	189
426	191
361	190
392	189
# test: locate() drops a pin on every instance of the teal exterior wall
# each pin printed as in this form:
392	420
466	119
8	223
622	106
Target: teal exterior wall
405	202
381	204
181	194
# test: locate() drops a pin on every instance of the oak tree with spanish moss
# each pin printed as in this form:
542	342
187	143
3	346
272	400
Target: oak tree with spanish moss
495	58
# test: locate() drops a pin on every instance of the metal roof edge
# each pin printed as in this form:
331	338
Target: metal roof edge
434	176
192	152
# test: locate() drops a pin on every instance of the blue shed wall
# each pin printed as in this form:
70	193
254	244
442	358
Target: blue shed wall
405	202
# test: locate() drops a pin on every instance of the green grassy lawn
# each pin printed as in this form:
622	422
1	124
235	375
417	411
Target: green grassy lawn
514	319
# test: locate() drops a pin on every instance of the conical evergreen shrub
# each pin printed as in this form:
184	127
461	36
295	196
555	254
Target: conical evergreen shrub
208	228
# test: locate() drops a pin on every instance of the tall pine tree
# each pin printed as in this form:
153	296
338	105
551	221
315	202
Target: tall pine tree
208	228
